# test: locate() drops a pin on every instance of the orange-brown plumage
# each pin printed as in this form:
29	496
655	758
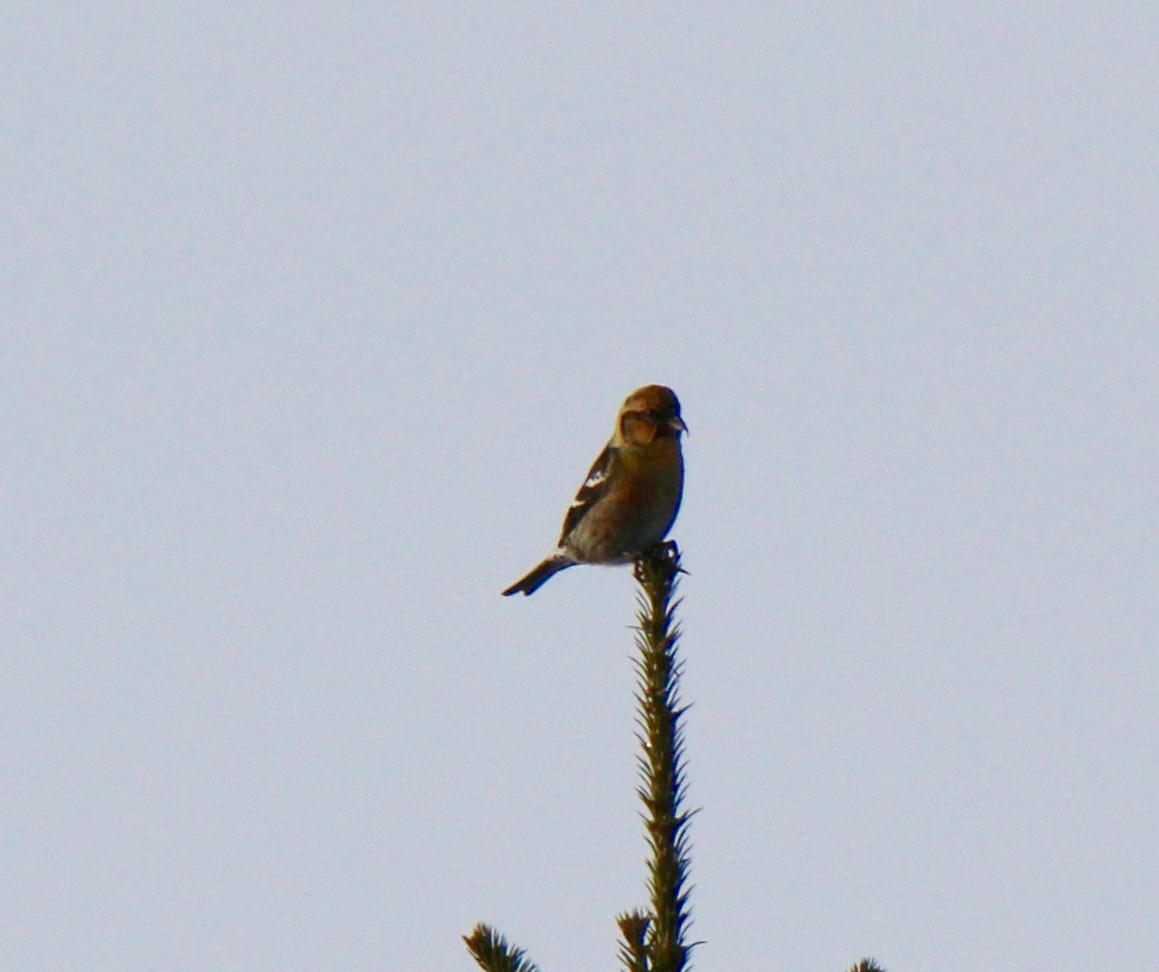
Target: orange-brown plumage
632	494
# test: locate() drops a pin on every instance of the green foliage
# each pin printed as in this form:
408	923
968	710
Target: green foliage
491	951
634	941
651	941
661	762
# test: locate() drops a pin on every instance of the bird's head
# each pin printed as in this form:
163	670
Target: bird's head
650	413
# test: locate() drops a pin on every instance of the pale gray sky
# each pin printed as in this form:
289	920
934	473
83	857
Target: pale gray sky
313	319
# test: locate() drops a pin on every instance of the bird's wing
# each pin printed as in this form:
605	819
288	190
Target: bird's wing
590	493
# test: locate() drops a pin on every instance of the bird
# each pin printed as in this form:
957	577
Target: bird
631	496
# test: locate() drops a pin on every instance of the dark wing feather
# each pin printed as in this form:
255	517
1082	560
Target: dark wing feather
590	492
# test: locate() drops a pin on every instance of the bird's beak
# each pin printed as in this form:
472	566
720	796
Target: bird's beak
676	424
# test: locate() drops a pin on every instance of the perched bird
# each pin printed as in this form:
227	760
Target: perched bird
632	494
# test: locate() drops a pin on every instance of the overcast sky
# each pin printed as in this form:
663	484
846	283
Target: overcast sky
313	319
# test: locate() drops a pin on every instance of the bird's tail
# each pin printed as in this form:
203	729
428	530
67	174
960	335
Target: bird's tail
540	576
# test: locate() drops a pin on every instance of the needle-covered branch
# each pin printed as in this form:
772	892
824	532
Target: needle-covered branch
661	762
494	954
